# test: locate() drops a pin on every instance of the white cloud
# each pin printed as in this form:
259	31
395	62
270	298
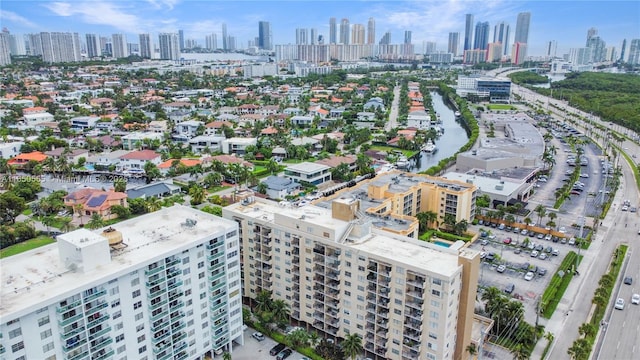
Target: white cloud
100	13
159	4
11	17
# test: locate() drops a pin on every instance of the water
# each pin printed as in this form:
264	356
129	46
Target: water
442	243
449	143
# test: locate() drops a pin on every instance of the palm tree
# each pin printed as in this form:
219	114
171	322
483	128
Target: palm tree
552	216
65	221
226	356
152	204
197	194
587	330
281	311
541	212
263	301
48	222
313	339
580	349
79	208
352	345
297	338
520	352
95	221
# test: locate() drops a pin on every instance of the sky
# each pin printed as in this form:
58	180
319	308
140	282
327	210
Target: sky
564	21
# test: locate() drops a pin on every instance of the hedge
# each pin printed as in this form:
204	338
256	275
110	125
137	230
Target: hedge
557	286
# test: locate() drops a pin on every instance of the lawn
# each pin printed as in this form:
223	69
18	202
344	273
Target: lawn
27	212
215	189
500	107
389	149
25	246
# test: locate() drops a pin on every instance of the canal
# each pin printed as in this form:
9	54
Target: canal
449	143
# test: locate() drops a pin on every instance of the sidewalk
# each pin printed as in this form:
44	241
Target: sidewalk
576	304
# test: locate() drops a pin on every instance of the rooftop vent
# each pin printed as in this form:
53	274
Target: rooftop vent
114	236
190	223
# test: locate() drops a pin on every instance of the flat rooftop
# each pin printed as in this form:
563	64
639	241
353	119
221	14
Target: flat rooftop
486	184
431	257
31	280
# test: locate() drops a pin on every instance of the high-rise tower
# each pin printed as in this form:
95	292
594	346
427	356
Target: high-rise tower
501	35
265	37
481	39
371	31
407	37
454	39
333	31
344	31
357	34
301	36
93	46
522	28
468	32
225	40
169	46
119	46
146	50
181	39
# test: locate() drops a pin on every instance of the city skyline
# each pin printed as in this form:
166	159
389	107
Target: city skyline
428	21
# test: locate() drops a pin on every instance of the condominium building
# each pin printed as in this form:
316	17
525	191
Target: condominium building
344	266
169	46
146	47
161	286
93	46
119	46
408	299
56	46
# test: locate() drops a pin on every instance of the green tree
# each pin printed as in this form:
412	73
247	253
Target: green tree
151	171
281	311
120	184
121	211
11	205
197	194
472	350
352	345
226	356
297	338
263	301
95	221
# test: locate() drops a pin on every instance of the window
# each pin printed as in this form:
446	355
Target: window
47	347
434	314
118	326
141	338
201	275
17	347
142	349
45	334
135	281
437	281
121	349
140	327
43	321
435	292
115	303
117	314
200	264
135	294
137	305
14	333
138	316
119	337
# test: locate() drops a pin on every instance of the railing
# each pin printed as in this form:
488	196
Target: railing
97	321
154	271
69	320
95	295
63	309
96	308
102	344
99	333
106	355
71	333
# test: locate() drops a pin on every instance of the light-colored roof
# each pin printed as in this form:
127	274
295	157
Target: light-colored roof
38	277
307	167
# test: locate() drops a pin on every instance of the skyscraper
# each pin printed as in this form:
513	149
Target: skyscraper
407	37
552	47
17	44
371	31
454	40
265	37
301	36
93	46
386	38
501	35
468	32
598	48
591	33
624	49
522	28
159	286
119	46
313	36
634	52
181	39
481	39
169	46
146	48
5	49
56	47
357	34
225	44
344	31
211	41
333	31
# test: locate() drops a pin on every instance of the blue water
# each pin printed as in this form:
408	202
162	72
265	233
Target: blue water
442	243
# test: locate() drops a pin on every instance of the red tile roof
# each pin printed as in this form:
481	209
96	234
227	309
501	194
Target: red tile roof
141	155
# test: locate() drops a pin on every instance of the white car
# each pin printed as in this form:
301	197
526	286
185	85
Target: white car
635	299
528	276
620	304
534	253
501	268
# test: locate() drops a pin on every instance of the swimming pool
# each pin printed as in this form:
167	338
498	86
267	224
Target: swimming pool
442	243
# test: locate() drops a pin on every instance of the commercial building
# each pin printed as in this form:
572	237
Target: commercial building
407	299
495	90
161	286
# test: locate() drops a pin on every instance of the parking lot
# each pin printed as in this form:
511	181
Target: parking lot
518	261
257	350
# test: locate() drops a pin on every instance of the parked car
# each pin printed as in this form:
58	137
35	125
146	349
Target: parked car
534	253
529	276
258	336
620	304
542	271
276	349
542	256
507	241
509	288
501	268
523	232
284	354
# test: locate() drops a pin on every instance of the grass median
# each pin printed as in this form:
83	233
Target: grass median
558	284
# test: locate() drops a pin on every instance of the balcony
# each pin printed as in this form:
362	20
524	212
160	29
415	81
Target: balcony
99	306
94	295
414	304
69	320
219	285
318	259
64	309
158	338
414	314
215	254
159	315
173	273
318	316
97	320
179	337
171	262
414	294
72	344
217	316
215	245
174	295
154	271
181	356
181	325
103	342
72	332
413	335
333	275
217	306
99	333
160	325
79	355
103	356
416	283
333	304
161	347
319	250
173	285
216	265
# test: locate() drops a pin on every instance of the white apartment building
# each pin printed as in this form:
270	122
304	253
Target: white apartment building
308	172
408	299
161	286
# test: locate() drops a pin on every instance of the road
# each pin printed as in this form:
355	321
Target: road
620	337
393	114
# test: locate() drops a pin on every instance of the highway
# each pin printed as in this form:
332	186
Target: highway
618	340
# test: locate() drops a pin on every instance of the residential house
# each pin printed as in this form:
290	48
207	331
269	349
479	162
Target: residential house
156	189
165	166
178	105
280	187
419	119
179	116
228	160
374	104
21	160
302	120
215	127
72	156
237	145
291	111
135	160
89	201
202	142
37	118
34	110
335	161
106	159
10	149
248	109
84	122
136	139
310	173
188	128
158	126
